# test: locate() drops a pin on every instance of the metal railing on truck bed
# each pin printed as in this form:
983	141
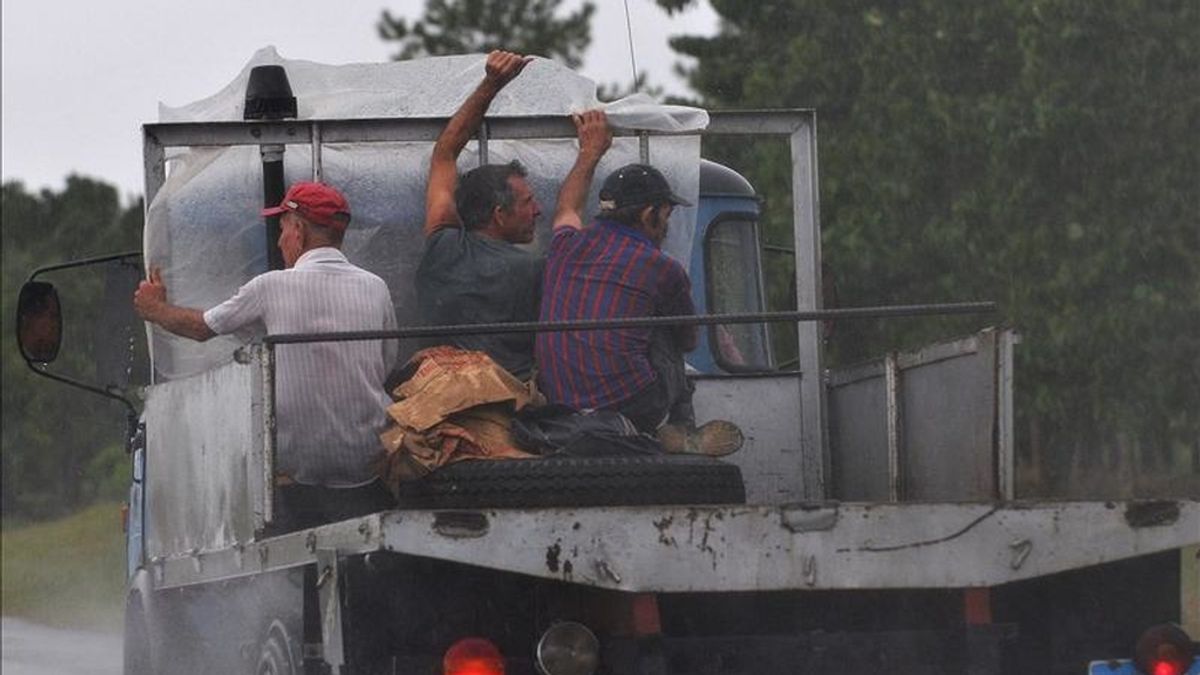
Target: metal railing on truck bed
792	460
238	487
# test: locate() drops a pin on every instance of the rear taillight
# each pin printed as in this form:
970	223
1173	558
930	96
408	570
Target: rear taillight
1164	650
473	656
1167	668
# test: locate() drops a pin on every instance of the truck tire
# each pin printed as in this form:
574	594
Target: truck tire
577	481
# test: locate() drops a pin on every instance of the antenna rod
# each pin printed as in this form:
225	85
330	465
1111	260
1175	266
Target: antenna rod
632	59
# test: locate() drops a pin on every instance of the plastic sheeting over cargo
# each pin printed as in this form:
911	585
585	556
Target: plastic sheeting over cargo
203	227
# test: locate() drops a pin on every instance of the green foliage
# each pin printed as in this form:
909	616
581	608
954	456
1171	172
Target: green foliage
66	573
52	434
470	26
106	475
1041	154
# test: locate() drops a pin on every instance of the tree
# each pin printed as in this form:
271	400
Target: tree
1039	154
61	446
467	26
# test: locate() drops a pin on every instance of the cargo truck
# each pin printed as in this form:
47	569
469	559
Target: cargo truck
871	523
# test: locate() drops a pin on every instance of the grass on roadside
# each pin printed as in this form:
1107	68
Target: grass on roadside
68	572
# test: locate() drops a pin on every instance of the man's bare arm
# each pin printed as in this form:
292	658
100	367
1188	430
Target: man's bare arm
440	211
150	301
595	138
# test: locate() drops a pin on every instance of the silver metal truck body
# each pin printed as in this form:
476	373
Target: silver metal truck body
934	426
894	475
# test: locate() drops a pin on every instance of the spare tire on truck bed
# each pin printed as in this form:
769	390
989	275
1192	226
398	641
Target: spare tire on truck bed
577	481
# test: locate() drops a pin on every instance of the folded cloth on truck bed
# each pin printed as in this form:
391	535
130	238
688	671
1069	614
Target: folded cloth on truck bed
457	405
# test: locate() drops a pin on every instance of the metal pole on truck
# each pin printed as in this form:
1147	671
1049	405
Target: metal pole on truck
269	97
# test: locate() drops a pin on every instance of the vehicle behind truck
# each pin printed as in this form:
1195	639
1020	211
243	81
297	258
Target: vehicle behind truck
870	524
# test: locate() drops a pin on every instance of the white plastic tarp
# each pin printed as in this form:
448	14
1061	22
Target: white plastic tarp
203	229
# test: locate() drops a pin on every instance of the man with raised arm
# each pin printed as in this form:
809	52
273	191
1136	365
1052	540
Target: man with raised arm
473	269
615	269
330	399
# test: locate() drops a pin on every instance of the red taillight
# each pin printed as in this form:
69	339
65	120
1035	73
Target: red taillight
1164	650
473	656
1167	668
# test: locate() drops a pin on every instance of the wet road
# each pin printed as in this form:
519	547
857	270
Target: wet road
32	649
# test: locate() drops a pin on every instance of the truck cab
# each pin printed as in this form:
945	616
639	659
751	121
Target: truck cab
726	269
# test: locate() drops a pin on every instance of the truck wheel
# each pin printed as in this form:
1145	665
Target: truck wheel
577	481
277	654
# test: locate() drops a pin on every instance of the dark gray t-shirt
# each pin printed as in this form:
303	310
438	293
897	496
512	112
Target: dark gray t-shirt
465	277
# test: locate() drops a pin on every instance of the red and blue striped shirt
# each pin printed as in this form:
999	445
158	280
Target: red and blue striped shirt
606	271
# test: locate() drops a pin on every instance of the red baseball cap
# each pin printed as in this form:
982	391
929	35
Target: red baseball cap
317	202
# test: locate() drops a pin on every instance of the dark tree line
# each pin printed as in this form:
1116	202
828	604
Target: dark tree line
474	26
1041	154
62	447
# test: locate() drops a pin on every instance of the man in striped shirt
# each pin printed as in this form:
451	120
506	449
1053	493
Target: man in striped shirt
330	397
616	269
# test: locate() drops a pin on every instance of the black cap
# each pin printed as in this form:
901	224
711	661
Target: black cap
637	184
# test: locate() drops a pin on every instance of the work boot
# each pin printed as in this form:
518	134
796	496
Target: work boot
713	439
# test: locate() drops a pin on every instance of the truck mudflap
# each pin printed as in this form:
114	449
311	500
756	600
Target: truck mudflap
933	652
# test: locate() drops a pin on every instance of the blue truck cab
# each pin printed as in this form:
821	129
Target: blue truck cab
726	271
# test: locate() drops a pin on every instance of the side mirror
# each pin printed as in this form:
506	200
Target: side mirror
39	322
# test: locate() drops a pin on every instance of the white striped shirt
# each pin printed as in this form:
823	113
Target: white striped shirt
330	401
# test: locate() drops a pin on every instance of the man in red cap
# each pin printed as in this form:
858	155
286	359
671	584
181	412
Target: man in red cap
330	397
